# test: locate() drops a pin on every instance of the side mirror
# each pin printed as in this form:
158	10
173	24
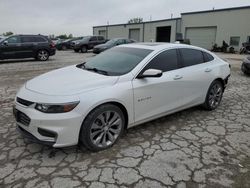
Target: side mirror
151	73
5	43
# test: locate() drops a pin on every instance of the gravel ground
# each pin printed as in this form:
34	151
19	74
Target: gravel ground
192	148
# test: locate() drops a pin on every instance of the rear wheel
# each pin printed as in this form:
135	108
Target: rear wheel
42	55
214	95
102	127
84	49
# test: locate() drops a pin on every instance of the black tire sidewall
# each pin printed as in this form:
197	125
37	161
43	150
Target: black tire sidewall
206	104
84	135
38	58
83	49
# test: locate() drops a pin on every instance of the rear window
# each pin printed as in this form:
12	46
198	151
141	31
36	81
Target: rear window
191	57
39	39
208	57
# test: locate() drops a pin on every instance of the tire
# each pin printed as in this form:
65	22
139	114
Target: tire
214	95
84	49
42	55
102	127
64	47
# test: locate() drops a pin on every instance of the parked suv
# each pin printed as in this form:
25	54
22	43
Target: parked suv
88	43
26	46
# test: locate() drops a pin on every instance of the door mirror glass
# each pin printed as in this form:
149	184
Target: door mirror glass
154	73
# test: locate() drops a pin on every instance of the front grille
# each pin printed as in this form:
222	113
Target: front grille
24	102
21	117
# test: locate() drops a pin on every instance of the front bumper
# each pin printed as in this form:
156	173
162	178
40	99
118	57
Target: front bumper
57	130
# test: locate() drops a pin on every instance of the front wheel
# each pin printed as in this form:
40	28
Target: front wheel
102	127
42	55
214	95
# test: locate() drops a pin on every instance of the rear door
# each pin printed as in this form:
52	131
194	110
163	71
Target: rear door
196	75
93	42
28	43
10	48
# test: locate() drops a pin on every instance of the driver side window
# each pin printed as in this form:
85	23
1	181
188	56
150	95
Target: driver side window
165	61
13	40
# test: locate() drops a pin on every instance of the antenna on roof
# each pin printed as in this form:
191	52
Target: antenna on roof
171	15
213	8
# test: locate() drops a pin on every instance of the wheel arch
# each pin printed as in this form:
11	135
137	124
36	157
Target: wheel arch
116	103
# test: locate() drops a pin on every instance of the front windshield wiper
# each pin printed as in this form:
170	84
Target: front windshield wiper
96	70
83	66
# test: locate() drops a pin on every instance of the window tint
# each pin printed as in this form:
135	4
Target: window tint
100	38
93	39
120	41
118	61
14	39
191	57
27	39
166	61
39	39
208	57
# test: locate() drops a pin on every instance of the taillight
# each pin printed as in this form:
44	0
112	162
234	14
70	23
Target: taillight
52	45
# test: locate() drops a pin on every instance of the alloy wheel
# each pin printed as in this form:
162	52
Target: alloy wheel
215	95
43	55
105	129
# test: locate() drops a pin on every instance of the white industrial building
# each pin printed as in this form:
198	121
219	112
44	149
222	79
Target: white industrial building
203	28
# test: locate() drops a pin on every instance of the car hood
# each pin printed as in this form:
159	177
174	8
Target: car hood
69	81
104	46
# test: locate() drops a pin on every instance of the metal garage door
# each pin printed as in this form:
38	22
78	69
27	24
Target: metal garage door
134	34
201	36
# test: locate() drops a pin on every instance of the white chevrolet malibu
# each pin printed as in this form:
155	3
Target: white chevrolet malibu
94	102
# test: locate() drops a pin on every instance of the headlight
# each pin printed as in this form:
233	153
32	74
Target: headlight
77	43
56	108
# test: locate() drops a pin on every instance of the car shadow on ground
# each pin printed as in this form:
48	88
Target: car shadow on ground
23	61
131	138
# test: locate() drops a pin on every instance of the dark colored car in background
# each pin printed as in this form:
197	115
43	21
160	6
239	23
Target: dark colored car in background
245	66
66	44
88	43
111	43
27	46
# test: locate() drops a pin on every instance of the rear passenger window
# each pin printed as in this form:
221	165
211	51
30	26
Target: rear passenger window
208	57
166	61
27	39
93	39
191	57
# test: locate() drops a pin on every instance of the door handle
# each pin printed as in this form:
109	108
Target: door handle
208	70
177	77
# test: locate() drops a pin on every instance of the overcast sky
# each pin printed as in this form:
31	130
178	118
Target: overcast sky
78	16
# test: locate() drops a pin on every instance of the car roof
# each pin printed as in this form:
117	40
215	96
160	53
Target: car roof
158	46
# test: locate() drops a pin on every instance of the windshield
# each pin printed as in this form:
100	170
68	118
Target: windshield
1	39
111	42
117	61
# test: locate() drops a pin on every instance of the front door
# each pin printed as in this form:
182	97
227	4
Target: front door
10	47
156	96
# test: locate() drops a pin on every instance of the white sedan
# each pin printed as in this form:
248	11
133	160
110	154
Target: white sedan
93	102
